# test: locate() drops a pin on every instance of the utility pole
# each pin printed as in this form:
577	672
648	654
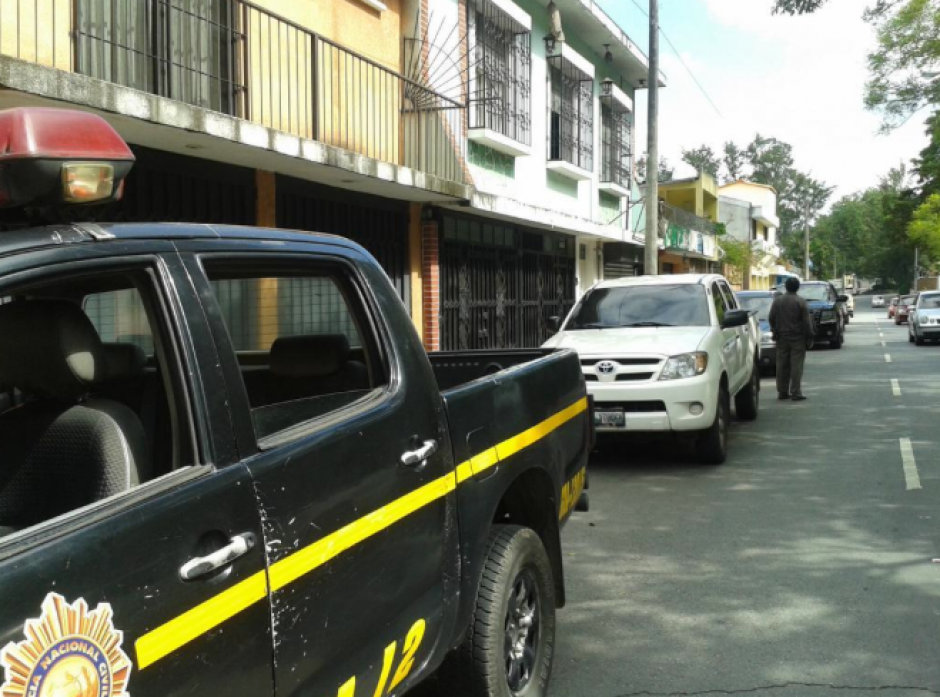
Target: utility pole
651	254
916	266
806	241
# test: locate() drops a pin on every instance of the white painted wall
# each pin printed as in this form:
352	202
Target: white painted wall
534	184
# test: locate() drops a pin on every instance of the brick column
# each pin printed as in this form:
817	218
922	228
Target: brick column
266	199
431	286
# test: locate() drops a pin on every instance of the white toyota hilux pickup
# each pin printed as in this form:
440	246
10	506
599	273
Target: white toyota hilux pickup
666	354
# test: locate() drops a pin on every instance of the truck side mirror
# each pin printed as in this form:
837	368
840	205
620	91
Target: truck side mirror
843	298
553	324
735	318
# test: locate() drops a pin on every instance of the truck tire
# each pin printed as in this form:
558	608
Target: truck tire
510	645
747	401
712	445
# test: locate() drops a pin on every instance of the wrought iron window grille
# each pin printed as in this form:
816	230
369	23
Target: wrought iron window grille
500	82
570	113
616	142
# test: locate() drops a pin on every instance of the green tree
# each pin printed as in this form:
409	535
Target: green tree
771	162
903	69
735	162
665	171
702	159
927	165
797	7
924	229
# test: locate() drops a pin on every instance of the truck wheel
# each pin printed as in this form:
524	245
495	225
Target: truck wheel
510	646
712	445
747	401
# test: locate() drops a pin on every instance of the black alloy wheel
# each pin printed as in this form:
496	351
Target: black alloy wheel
510	645
522	628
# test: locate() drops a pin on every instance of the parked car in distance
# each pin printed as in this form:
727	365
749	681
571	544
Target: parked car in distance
893	306
667	354
924	324
904	308
827	308
849	305
760	301
877	301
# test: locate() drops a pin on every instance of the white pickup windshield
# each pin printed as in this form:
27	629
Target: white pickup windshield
682	305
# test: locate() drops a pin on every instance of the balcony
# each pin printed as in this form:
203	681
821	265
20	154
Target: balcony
688	233
233	57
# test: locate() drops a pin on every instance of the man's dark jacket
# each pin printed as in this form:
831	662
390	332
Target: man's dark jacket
790	318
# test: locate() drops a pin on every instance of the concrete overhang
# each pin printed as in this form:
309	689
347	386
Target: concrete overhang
762	215
166	124
614	189
567	169
497	141
586	20
510	210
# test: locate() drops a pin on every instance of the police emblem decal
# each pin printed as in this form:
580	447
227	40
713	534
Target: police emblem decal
69	651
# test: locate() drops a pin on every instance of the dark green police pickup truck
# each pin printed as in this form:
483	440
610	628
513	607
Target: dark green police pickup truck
227	465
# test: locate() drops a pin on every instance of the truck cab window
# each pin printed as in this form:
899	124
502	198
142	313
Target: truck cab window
86	407
302	344
718	299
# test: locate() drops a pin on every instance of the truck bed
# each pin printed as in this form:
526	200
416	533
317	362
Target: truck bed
453	368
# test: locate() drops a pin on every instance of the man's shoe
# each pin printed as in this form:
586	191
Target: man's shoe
783	396
798	398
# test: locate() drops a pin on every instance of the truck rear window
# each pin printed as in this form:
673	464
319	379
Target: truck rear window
300	342
681	305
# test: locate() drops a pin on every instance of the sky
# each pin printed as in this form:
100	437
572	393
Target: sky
799	79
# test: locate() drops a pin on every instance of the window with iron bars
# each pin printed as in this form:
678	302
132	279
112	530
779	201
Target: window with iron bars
570	114
501	66
181	49
616	143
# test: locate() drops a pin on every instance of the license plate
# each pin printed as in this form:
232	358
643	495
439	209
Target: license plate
610	418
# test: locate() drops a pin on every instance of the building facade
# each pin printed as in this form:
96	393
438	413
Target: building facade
689	211
749	213
482	150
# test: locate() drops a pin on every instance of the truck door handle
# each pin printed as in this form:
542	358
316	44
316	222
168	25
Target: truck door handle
200	566
418	456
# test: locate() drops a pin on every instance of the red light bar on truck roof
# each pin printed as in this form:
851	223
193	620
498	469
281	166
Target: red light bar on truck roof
60	156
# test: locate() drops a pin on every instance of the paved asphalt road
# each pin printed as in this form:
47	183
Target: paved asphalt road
803	566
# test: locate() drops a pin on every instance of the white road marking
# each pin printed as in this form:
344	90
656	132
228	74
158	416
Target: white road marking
884	345
887	358
895	388
910	465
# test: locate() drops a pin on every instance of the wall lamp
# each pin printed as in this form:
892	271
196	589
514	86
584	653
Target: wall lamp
550	43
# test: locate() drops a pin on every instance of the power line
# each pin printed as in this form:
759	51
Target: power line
682	61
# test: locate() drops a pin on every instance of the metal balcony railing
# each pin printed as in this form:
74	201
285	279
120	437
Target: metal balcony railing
237	58
688	220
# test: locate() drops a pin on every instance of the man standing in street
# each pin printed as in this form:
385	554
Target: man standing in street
793	330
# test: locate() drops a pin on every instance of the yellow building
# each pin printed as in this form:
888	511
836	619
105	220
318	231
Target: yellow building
689	214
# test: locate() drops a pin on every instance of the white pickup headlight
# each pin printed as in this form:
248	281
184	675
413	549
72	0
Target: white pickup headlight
686	365
767	338
923	319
